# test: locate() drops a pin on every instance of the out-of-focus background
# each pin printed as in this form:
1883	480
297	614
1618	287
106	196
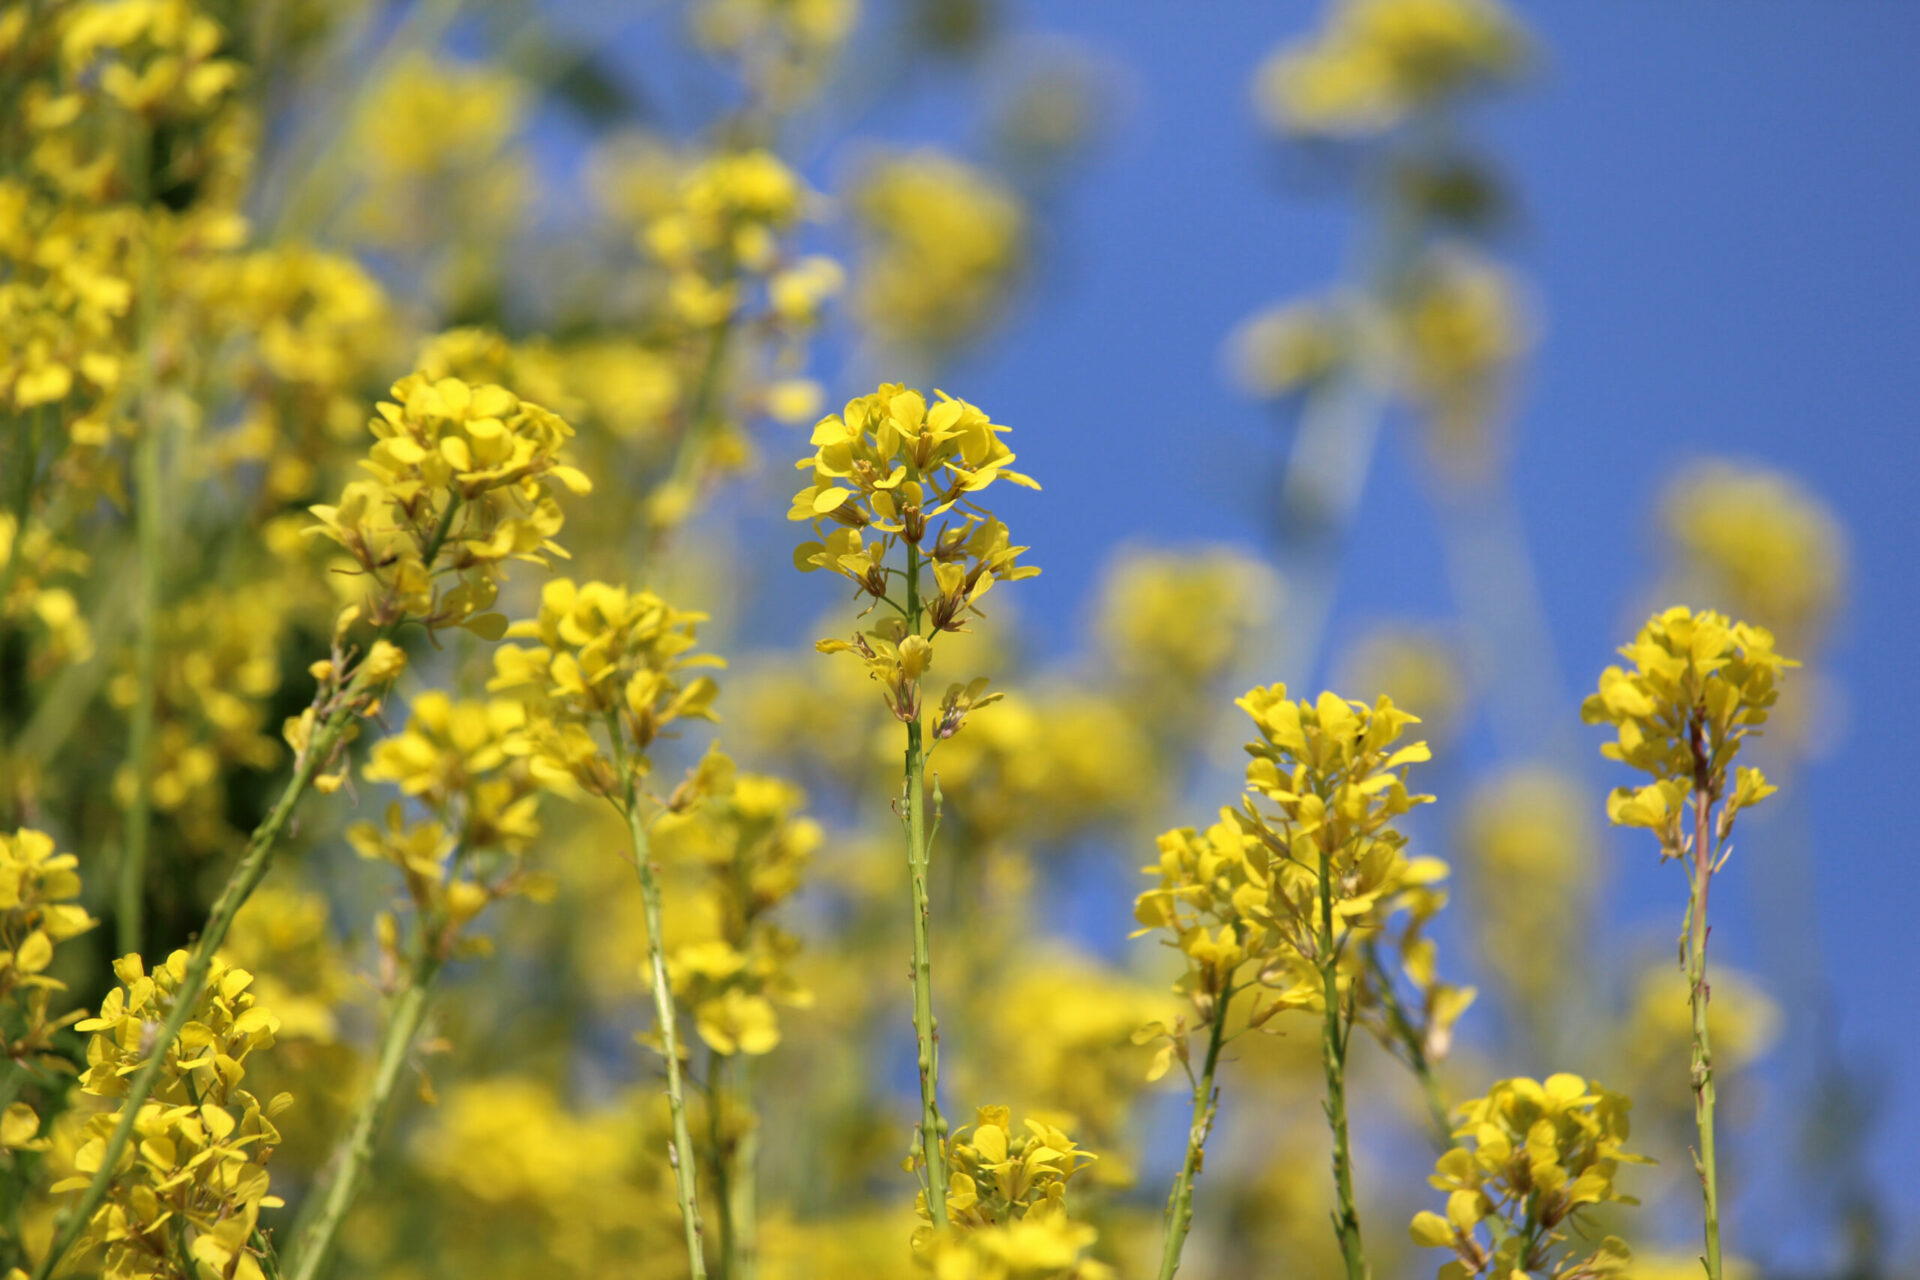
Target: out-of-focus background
1387	353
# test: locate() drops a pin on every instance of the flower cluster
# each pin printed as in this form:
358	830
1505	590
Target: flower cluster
39	889
1758	542
1533	1157
1333	783
1008	1206
195	1180
1699	686
941	247
1379	61
1177	623
607	657
890	464
456	760
1001	1175
750	843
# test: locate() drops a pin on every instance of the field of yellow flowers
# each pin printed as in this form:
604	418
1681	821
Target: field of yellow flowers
409	870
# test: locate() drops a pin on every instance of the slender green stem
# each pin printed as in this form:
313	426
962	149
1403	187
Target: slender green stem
1701	880
681	1153
721	1159
1206	1102
139	818
1413	1047
149	499
926	1031
241	883
743	1179
313	1242
1333	1058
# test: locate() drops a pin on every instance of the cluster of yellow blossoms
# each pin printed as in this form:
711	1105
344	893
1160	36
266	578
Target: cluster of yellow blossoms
1533	1156
38	910
751	844
890	464
195	1180
1008	1206
941	246
1379	61
455	760
1699	686
607	658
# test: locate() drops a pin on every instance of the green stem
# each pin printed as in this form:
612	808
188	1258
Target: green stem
1206	1102
680	1153
139	818
1414	1047
241	883
744	1181
315	1241
719	1157
1333	1058
926	1031
1697	995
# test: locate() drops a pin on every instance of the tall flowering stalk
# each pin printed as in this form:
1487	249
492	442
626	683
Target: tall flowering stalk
458	485
1700	685
890	465
1283	898
482	806
1325	787
608	667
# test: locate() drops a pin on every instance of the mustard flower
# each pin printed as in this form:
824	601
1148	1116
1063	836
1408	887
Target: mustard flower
1533	1158
39	908
196	1178
1699	686
746	835
941	246
606	656
1002	1175
1379	61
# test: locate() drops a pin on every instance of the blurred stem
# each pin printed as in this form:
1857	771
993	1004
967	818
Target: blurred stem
1701	880
1206	1103
744	1179
147	515
1413	1045
241	883
926	1031
313	1242
1333	1058
681	1153
720	1157
682	475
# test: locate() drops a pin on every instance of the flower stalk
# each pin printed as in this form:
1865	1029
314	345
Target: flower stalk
1206	1104
241	882
680	1154
1698	992
933	1127
1334	1033
355	1160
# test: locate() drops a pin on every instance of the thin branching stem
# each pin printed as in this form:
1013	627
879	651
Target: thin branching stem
354	1160
1333	1059
926	1031
244	879
1698	992
1206	1103
681	1153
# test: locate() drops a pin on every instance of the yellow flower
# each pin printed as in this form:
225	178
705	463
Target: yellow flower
1532	1156
195	1173
1699	686
1379	61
